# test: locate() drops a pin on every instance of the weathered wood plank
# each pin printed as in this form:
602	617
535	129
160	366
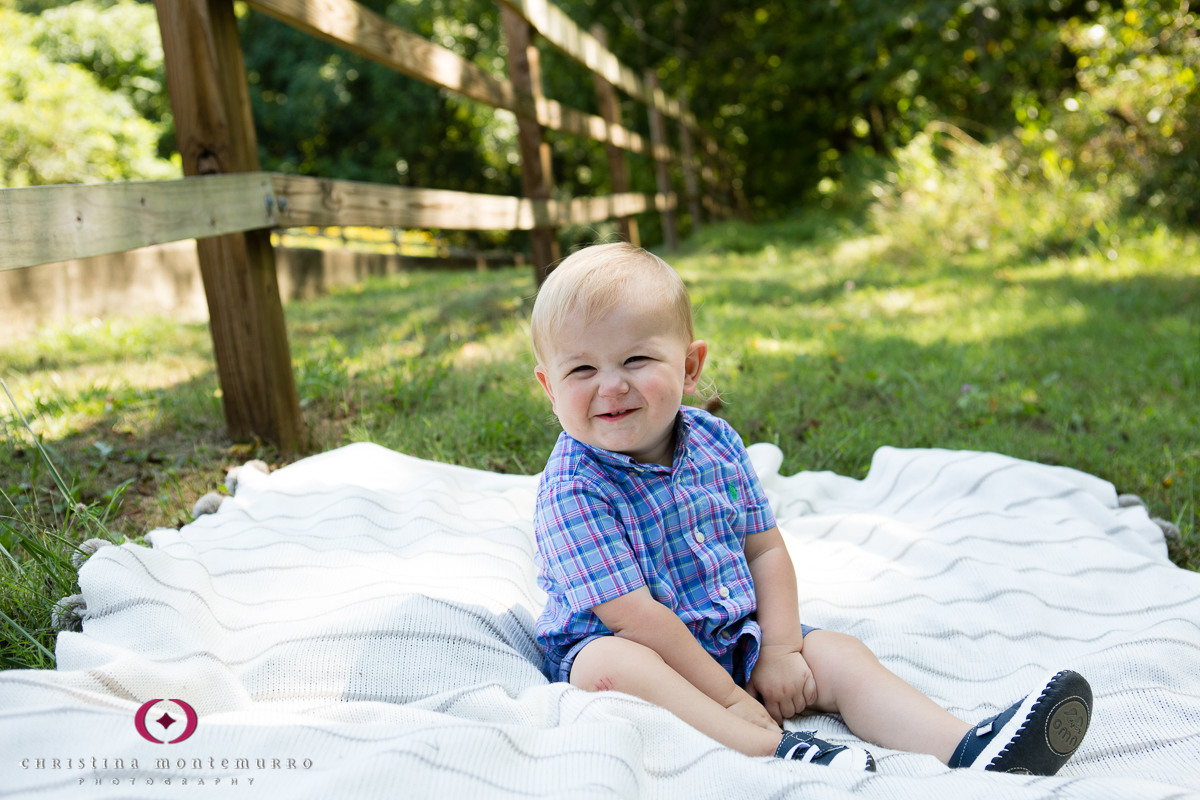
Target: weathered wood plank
353	26
348	24
593	53
584	210
561	31
537	173
42	224
214	130
305	201
555	116
662	170
687	161
618	167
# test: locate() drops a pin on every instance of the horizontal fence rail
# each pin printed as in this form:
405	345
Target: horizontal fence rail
558	29
43	224
320	201
356	28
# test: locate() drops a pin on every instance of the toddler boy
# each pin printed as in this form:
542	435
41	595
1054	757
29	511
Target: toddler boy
666	575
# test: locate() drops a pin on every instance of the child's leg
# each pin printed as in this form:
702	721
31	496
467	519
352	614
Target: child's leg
876	704
621	665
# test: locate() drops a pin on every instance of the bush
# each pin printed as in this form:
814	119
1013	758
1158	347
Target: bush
59	125
963	196
1137	110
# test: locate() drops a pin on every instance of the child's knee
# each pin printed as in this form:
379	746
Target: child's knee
610	664
838	649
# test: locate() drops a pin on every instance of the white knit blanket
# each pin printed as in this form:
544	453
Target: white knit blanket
359	625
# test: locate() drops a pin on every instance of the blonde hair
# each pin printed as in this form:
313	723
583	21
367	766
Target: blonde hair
591	282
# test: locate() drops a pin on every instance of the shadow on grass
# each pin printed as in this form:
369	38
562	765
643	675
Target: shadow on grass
438	310
154	450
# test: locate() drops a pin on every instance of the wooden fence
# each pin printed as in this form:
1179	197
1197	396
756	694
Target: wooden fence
230	206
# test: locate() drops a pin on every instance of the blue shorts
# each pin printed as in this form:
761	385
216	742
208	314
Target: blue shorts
559	669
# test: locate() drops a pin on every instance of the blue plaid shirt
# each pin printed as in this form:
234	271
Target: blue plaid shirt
607	525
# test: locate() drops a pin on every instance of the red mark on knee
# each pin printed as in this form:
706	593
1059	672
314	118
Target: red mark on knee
604	684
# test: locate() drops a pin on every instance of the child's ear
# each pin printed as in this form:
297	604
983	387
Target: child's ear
544	379
693	365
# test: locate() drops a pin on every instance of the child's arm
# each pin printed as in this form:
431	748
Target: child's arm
638	617
781	678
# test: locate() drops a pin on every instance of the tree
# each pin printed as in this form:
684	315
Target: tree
793	88
58	124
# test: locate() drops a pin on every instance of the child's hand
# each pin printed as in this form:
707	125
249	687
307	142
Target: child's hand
782	681
749	709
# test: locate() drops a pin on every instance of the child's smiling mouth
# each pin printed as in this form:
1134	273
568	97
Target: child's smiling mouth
616	415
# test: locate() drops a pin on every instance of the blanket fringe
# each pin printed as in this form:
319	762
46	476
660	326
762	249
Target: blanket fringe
1170	530
210	503
86	550
68	613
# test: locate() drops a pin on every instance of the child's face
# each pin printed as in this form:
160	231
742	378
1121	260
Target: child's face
617	383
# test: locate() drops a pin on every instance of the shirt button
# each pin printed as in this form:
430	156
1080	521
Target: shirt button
724	592
700	537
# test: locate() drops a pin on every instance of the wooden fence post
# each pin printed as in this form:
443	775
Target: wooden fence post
214	128
741	207
713	197
537	179
688	156
618	167
662	169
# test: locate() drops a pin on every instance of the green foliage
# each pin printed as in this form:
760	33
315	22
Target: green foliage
58	122
115	40
947	189
323	111
1136	114
804	94
793	88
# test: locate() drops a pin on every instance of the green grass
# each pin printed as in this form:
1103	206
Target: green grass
829	336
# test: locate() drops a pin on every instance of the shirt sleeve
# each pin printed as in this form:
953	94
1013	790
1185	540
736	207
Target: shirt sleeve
585	557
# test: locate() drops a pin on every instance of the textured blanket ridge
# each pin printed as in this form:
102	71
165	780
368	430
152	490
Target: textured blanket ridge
359	624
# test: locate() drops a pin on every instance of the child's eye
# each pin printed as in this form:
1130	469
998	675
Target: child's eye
637	359
582	371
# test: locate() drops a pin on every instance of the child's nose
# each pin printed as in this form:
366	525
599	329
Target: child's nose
613	384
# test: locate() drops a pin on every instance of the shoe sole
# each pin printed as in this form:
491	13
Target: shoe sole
1046	730
854	759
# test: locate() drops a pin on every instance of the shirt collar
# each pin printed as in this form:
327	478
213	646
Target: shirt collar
683	428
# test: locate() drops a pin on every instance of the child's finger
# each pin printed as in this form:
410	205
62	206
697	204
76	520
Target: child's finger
773	710
787	709
810	690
